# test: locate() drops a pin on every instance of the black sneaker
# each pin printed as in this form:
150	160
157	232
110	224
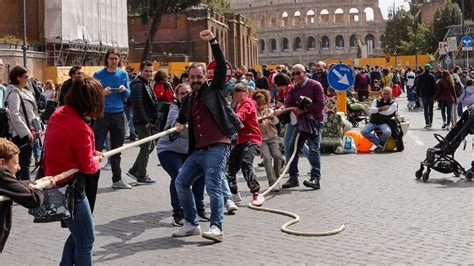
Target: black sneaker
203	216
379	148
292	182
145	180
132	138
178	220
312	183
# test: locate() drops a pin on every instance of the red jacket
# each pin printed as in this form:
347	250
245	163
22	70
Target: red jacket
246	111
164	92
69	143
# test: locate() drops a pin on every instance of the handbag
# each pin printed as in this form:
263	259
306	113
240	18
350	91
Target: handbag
57	205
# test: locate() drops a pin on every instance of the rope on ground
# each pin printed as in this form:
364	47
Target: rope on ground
296	218
41	184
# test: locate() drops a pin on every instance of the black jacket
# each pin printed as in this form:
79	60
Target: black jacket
143	102
426	85
18	192
212	95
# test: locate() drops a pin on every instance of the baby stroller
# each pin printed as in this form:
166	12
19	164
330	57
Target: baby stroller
411	95
441	156
355	112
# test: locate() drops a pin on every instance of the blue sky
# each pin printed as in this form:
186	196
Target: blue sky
384	5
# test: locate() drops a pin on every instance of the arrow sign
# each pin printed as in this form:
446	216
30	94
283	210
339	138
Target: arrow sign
341	77
466	41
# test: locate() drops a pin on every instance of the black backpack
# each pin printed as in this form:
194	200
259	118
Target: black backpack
4	118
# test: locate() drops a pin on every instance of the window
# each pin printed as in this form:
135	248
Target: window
353	15
325	42
339	16
311	43
261	45
297	44
369	14
370	40
297	18
310	17
353	41
274	45
324	16
339	42
284	19
285	44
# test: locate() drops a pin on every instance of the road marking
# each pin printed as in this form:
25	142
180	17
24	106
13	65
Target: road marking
415	139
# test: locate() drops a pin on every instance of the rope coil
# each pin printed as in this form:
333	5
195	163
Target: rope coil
296	218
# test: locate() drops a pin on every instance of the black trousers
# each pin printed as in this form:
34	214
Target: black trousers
26	149
113	123
241	157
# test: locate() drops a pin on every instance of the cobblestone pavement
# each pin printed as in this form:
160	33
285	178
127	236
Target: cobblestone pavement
390	217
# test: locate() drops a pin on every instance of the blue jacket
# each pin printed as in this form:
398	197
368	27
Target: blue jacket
114	101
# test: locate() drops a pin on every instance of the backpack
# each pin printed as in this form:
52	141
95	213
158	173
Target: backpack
458	89
5	118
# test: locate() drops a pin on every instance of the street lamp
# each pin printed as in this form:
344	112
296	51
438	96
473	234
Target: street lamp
24	47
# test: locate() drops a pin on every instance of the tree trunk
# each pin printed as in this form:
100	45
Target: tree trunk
155	22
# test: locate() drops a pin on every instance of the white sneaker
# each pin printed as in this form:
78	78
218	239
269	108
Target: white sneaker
215	234
236	197
230	206
121	184
187	230
257	199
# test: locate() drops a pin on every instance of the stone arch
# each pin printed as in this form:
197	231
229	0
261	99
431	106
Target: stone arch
273	22
297	18
369	14
353	41
284	19
297	45
311	43
310	17
285	45
339	16
354	15
273	44
339	42
325	42
369	38
324	16
261	45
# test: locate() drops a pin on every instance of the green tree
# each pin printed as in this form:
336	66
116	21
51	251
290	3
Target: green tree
397	31
447	15
220	6
420	40
468	8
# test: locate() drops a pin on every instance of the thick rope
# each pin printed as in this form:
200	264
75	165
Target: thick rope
41	184
296	218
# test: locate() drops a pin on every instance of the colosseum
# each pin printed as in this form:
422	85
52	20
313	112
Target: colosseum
291	31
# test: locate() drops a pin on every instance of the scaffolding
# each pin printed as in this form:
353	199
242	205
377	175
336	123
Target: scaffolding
80	32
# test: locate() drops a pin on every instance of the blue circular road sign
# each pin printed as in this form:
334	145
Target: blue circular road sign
341	77
466	41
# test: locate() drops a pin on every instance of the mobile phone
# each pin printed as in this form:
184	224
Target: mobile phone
114	89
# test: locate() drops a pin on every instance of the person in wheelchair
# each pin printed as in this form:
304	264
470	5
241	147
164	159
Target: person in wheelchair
381	112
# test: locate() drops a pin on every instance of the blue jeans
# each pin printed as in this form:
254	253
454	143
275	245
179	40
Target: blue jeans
313	153
78	247
428	109
211	163
36	150
288	141
171	162
128	110
446	111
459	109
370	127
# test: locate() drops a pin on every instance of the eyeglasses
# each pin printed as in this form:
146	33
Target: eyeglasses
196	77
183	93
297	73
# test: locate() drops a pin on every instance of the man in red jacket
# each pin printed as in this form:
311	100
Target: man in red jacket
249	139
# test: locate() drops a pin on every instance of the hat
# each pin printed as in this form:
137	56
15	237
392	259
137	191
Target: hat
427	66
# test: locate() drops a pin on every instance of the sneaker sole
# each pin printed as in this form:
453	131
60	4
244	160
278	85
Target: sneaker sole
187	234
216	239
132	176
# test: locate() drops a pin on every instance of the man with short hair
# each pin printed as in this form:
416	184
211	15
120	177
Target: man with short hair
381	110
116	89
426	88
75	73
307	100
144	104
211	122
321	75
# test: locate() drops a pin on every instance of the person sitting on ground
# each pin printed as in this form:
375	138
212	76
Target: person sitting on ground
382	110
21	192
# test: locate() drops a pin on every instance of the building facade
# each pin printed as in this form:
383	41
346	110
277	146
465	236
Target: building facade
177	38
306	31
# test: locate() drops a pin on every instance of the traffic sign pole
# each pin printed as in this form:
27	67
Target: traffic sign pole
341	97
341	78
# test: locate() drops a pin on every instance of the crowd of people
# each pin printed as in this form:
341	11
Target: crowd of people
221	127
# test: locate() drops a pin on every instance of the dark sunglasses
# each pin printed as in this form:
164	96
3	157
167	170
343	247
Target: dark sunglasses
297	73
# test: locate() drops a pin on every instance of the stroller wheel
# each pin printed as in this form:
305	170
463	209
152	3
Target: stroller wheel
426	176
418	173
469	175
457	173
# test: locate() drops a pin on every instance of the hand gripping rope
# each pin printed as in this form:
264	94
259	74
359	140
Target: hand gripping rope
295	217
41	184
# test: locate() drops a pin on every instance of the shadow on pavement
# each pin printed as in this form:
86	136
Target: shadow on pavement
449	183
127	228
118	250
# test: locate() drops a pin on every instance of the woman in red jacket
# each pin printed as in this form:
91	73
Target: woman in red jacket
69	143
162	88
